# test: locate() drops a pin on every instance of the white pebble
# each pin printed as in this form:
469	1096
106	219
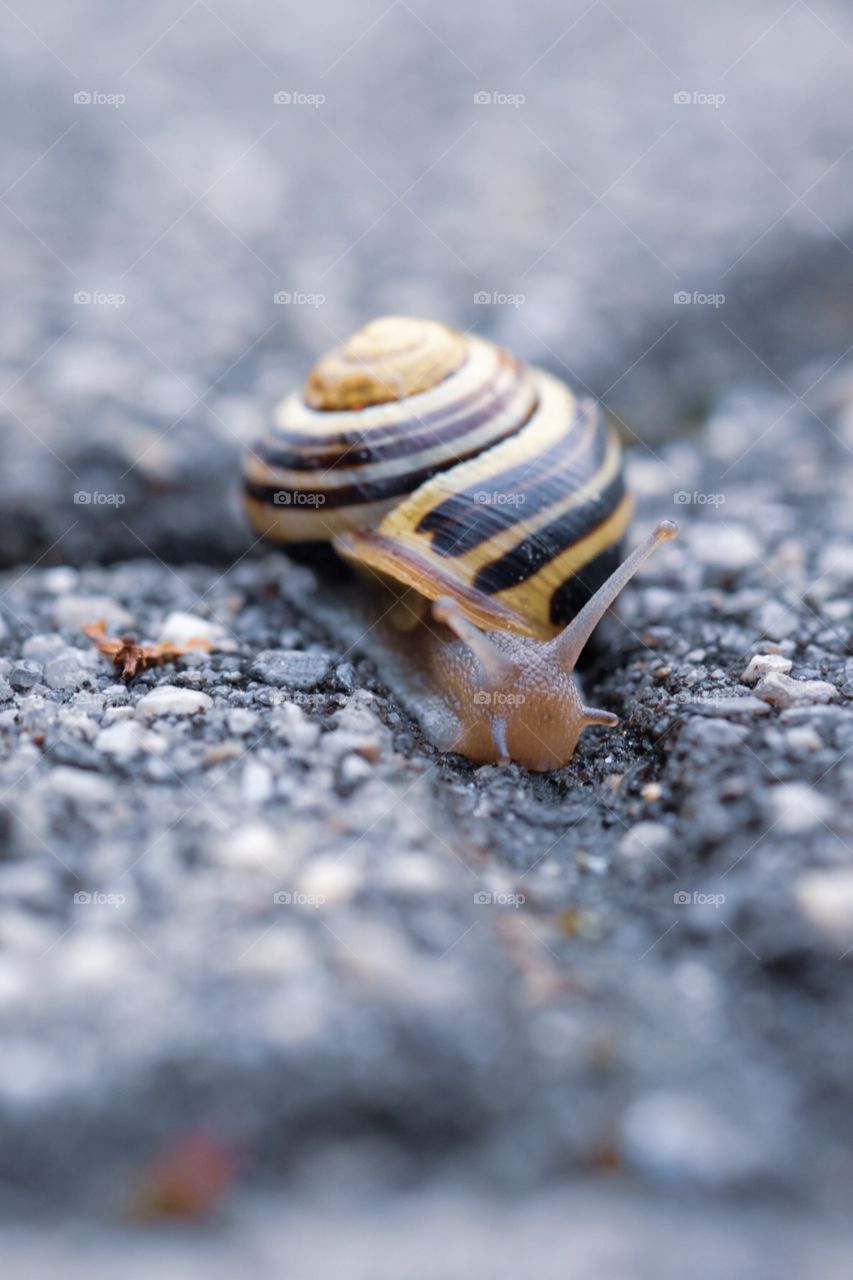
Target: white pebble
59	581
92	959
329	880
290	722
725	547
181	628
678	1138
414	873
784	691
835	561
798	807
122	739
646	840
826	900
241	721
777	621
354	771
254	846
70	613
81	786
169	700
256	784
762	663
803	738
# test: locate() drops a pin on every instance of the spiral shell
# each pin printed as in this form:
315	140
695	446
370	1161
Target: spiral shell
438	459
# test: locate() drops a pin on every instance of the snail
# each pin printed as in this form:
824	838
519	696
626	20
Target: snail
436	461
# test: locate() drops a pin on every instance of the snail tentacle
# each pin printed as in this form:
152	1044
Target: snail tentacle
593	716
569	644
498	728
496	668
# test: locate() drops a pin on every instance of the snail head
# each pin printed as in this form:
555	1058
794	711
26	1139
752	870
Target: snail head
515	697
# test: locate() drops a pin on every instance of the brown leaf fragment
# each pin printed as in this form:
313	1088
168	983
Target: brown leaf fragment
130	657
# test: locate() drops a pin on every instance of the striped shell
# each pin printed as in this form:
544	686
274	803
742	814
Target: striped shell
440	460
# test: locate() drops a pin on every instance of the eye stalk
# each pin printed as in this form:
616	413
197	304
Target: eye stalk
515	697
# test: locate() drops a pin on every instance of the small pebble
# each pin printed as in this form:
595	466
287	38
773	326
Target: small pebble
763	663
592	863
783	691
169	700
777	620
121	740
415	874
803	738
70	613
353	770
25	675
66	672
645	842
798	807
181	628
290	669
256	784
328	881
835	562
726	548
254	845
739	705
241	721
290	723
60	581
41	648
678	1138
825	898
82	787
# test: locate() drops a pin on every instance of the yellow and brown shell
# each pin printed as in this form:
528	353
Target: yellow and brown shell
439	460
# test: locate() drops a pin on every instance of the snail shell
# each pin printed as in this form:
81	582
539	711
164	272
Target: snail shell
440	460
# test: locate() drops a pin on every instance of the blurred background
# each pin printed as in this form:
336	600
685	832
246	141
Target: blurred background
197	199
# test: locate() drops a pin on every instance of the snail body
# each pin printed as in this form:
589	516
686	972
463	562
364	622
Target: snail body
486	497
